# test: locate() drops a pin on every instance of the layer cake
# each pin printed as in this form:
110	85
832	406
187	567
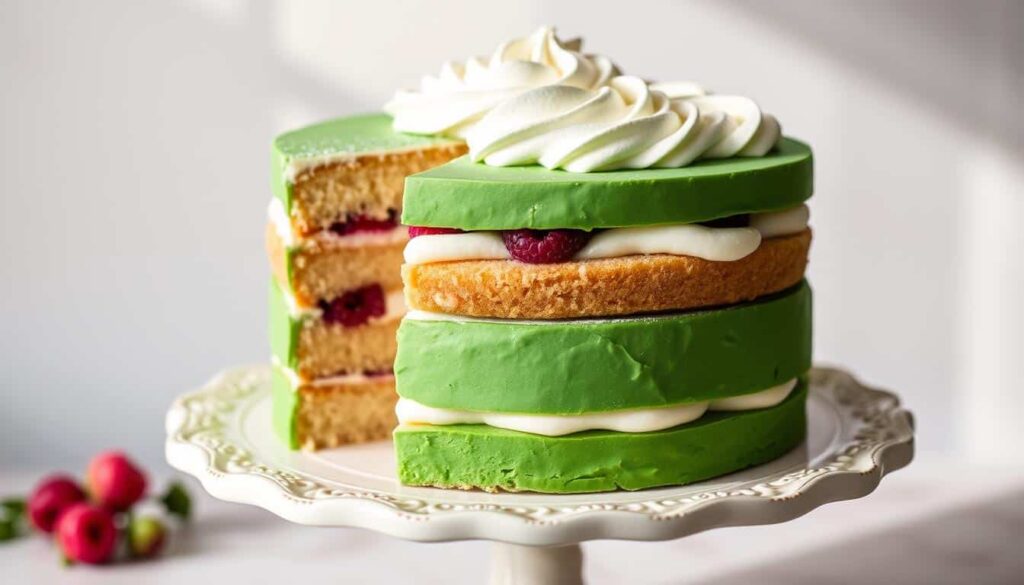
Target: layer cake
607	292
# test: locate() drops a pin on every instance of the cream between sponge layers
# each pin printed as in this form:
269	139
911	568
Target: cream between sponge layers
629	421
709	243
286	232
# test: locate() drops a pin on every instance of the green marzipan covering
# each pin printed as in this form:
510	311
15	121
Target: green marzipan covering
289	263
284	402
284	330
474	196
595	461
573	367
350	135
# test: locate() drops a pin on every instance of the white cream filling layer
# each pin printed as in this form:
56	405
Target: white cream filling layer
418	315
447	247
709	243
281	222
781	223
640	420
283	226
717	244
346	379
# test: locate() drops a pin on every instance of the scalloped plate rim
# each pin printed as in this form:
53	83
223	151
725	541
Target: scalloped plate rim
412	518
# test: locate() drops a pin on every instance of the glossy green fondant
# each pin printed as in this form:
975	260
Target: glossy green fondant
289	263
284	403
595	461
350	135
573	367
474	196
284	329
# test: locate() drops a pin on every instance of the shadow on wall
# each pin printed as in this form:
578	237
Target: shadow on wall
977	80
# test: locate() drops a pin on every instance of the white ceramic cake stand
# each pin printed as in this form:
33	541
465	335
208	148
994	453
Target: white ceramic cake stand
222	435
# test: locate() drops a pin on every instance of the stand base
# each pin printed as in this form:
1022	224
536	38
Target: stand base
513	564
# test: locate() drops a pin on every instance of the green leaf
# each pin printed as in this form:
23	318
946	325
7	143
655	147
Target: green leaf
177	501
13	507
8	529
12	512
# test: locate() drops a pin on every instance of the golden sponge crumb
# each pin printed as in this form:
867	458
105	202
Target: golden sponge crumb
327	273
369	184
330	349
321	270
509	289
332	415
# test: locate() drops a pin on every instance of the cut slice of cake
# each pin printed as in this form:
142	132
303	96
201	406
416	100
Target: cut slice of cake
335	247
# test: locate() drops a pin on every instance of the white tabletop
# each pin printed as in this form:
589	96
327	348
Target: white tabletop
934	522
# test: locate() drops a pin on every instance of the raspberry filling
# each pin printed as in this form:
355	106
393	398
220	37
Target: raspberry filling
415	230
544	246
355	307
354	224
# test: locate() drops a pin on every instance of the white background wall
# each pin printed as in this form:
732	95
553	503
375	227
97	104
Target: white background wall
134	149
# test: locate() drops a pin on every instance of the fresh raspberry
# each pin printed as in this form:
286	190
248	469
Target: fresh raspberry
355	307
49	500
544	246
415	230
362	223
87	534
114	480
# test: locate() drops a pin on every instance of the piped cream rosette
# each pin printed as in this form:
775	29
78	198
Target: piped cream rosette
448	104
628	124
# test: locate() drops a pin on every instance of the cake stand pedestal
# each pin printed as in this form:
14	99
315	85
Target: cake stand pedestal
221	434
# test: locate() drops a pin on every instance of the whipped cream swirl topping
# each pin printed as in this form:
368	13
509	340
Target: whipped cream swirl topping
628	124
450	103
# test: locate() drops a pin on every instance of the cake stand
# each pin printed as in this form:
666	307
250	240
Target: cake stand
221	434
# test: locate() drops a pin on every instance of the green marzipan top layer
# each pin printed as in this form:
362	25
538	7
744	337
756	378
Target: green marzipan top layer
474	196
576	367
353	135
